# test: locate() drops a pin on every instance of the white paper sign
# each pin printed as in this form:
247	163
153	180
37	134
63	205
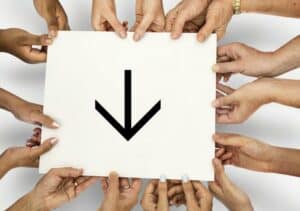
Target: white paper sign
139	108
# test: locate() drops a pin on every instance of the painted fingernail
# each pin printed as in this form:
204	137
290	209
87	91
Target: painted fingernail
54	141
215	68
55	124
185	178
163	178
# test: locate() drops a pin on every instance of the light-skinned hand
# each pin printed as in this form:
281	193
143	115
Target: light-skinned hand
239	58
119	194
155	197
56	188
21	44
244	152
54	14
227	192
238	105
149	17
104	18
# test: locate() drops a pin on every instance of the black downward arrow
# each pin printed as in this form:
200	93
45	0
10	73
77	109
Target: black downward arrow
127	131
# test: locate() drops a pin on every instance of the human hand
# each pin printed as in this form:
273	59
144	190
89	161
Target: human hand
239	58
104	17
203	16
119	194
237	105
27	156
149	17
244	152
32	113
20	44
57	187
54	14
227	192
155	197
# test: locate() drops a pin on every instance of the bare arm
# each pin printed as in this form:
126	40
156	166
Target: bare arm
287	8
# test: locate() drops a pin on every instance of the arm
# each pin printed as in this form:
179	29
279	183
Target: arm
8	101
26	203
4	165
285	92
286	162
288	8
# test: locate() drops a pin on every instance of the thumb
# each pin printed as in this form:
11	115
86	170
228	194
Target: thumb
44	120
142	27
44	147
228	67
206	30
179	24
220	174
113	186
51	19
189	192
223	101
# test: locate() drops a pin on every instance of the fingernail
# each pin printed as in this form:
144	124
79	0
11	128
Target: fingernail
55	124
126	187
48	41
136	37
54	141
215	103
123	34
174	36
163	178
185	178
215	68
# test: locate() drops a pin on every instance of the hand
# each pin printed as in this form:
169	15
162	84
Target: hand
244	152
104	17
229	194
239	58
155	197
33	113
149	17
238	105
119	195
27	156
54	14
205	16
20	44
57	187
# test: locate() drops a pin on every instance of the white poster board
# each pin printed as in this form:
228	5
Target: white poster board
139	108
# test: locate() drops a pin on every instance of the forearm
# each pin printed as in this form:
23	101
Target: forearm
26	203
288	57
286	161
285	92
9	101
288	8
4	166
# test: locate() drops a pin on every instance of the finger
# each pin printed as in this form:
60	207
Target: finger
220	102
66	172
188	189
177	199
206	30
226	89
38	117
220	173
44	147
227	139
136	184
32	39
220	152
142	27
116	24
150	188
104	185
113	188
86	184
51	19
179	24
175	190
229	67
226	156
170	18
62	18
203	194
124	183
215	189
221	32
163	203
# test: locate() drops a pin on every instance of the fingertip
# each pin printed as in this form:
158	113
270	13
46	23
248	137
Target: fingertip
136	36
123	34
216	68
201	37
54	141
55	124
175	35
215	103
185	178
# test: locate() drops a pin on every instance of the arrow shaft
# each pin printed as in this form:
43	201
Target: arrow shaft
128	100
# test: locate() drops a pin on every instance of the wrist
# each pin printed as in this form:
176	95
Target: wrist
268	93
27	203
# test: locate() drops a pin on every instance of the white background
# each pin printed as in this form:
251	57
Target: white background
275	124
